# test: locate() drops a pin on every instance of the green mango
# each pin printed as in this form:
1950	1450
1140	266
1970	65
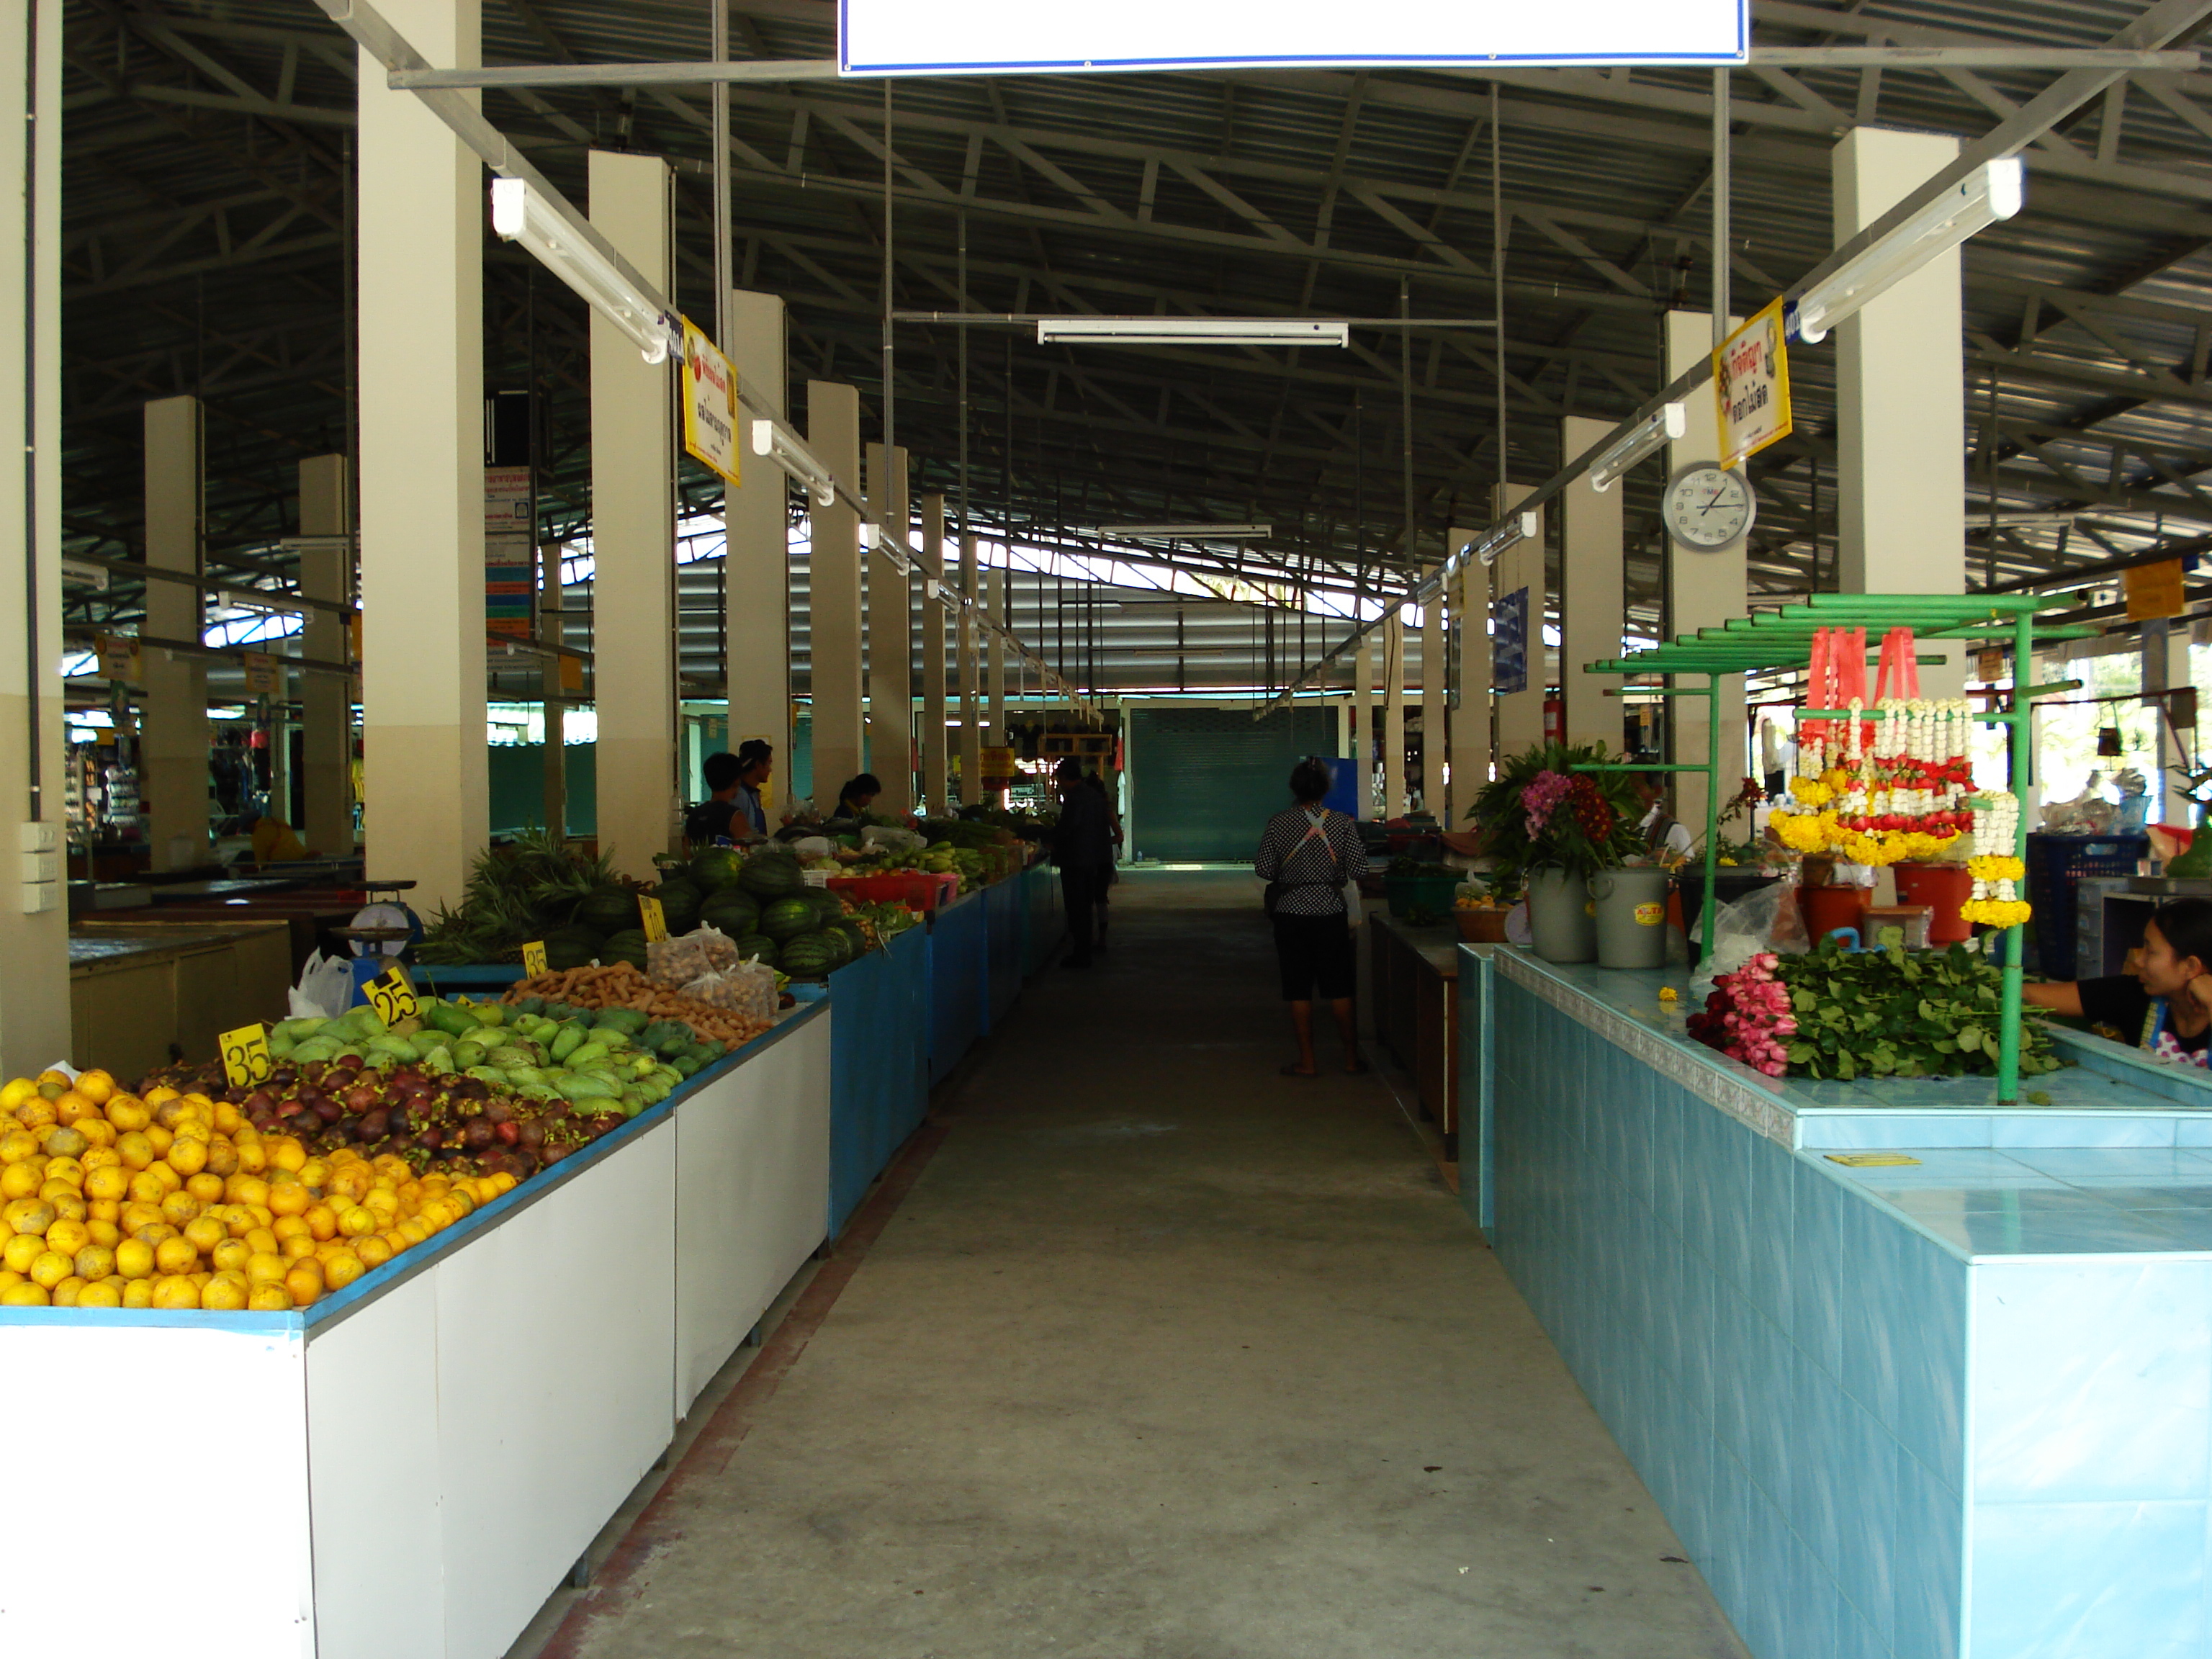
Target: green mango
570	1038
488	1074
583	1059
575	1085
439	1062
469	1052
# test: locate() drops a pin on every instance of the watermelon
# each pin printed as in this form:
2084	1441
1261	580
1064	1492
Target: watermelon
811	956
786	919
628	945
716	868
733	913
850	928
771	876
571	947
606	910
828	907
758	945
679	906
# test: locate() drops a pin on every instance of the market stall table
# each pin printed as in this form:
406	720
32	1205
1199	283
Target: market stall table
959	959
879	1008
1414	972
139	988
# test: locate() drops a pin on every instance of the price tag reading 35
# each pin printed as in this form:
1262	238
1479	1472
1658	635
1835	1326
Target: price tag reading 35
656	924
392	996
246	1059
533	958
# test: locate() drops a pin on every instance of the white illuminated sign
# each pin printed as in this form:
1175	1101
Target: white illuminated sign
1009	36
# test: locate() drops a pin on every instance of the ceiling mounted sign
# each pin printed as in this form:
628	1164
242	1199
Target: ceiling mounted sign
1751	383
1016	37
710	404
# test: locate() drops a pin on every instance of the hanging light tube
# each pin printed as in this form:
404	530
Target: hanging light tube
782	446
1192	330
520	214
1992	192
1187	532
1668	424
1517	529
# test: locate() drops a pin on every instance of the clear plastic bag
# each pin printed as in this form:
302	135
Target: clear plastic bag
745	988
326	988
883	837
671	962
1765	920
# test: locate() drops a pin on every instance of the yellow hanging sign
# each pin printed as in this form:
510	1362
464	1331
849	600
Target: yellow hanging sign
1751	382
710	404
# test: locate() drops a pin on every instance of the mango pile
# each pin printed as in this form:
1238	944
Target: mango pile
174	1200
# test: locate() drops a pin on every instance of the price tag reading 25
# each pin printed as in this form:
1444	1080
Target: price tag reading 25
656	923
245	1059
392	996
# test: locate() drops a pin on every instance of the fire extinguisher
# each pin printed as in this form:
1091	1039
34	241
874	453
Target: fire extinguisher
1555	719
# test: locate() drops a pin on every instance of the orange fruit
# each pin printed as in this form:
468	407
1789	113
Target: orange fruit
208	1188
322	1221
413	1232
134	1258
342	1269
159	1137
136	1215
100	1296
138	1292
96	1086
175	1255
203	1233
290	1198
305	1282
98	1130
25	1295
226	1118
285	1152
68	1236
17	1145
27	1215
36	1114
225	1293
265	1268
10	1279
147	1187
69	1206
180	1209
230	1255
269	1298
70	1105
22	1180
175	1291
69	1292
108	1183
135	1150
246	1189
168	1111
372	1251
316	1173
252	1156
62	1141
262	1240
154	1232
290	1226
299	1245
20	1250
55	1192
104	1231
223	1157
357	1221
95	1261
128	1112
382	1201
50	1268
188	1156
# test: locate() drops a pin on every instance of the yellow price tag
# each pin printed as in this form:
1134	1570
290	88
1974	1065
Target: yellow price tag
1872	1160
392	996
246	1059
656	924
533	958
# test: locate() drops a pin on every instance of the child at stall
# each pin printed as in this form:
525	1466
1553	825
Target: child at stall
2163	1003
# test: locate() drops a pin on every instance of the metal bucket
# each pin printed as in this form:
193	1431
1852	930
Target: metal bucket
1631	916
1560	920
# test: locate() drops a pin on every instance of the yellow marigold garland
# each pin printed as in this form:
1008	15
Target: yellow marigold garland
1997	912
1991	868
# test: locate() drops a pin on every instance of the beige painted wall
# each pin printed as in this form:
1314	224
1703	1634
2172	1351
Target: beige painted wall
174	738
833	434
1591	598
758	521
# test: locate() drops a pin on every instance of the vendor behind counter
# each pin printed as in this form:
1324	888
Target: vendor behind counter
2163	1003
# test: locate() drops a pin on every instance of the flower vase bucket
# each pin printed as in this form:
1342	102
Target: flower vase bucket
1631	916
1560	916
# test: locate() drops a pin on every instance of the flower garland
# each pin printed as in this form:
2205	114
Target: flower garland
1886	789
1996	902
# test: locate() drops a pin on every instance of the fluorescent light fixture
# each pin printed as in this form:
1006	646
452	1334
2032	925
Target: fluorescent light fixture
2020	520
1192	330
1427	591
521	215
782	445
1646	438
1185	532
1992	192
873	536
1515	530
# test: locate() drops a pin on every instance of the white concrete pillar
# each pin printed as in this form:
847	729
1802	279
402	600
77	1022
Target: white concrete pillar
972	702
34	982
757	557
1704	589
890	635
551	630
173	764
935	789
326	701
1393	715
1363	745
1433	740
1900	403
421	229
633	532
833	605
997	648
2165	665
1470	721
1519	569
1592	596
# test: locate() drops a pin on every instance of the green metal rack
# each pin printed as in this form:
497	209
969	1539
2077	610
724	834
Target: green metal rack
1783	638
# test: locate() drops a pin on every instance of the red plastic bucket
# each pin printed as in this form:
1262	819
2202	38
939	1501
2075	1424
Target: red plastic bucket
1826	908
1945	888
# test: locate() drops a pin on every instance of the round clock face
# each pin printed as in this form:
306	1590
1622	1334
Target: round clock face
1708	508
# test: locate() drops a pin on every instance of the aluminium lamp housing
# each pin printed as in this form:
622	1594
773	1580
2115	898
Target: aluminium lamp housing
1992	192
522	214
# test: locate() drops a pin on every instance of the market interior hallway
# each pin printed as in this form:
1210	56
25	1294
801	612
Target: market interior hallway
1164	1354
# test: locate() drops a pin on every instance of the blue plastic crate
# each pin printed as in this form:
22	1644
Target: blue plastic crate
2056	866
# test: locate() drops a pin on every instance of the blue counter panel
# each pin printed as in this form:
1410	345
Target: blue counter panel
1959	1407
879	1065
1005	907
958	959
1047	919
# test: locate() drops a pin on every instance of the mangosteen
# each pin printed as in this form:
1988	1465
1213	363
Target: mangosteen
506	1133
548	1154
431	1138
398	1119
498	1111
375	1124
531	1134
398	1145
470	1088
361	1096
339	1075
291	1109
350	1128
477	1133
332	1110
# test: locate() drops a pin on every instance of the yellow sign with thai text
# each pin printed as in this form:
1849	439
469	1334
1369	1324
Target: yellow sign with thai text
1751	381
710	404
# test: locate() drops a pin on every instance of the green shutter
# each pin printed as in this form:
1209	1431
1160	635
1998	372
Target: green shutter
1205	780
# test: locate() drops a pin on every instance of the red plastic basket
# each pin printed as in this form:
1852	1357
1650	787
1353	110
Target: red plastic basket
917	889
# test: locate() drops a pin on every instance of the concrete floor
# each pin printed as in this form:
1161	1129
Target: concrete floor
1162	1354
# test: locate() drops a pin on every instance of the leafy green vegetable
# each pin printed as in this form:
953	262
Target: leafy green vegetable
1899	1013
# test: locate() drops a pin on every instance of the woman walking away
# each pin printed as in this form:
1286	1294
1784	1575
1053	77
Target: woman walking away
1306	857
1082	847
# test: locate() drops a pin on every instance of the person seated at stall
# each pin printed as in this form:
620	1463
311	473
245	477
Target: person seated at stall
856	796
717	817
1664	835
2163	1002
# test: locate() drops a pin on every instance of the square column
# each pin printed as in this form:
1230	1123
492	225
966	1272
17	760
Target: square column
757	551
833	602
1363	728
1900	403
891	634
935	786
997	647
1520	568
1470	721
34	982
1703	590
173	741
1394	714
1592	601
971	711
327	701
1433	740
633	532
420	230
2165	665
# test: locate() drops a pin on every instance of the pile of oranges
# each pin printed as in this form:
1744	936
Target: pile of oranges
108	1201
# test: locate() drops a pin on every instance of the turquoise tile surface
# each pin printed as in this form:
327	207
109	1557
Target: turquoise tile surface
2088	1581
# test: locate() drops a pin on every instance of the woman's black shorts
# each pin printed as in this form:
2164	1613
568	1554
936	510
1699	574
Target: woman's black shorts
1315	955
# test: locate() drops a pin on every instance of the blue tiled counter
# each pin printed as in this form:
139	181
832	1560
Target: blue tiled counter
1005	909
879	1065
1962	1407
959	957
